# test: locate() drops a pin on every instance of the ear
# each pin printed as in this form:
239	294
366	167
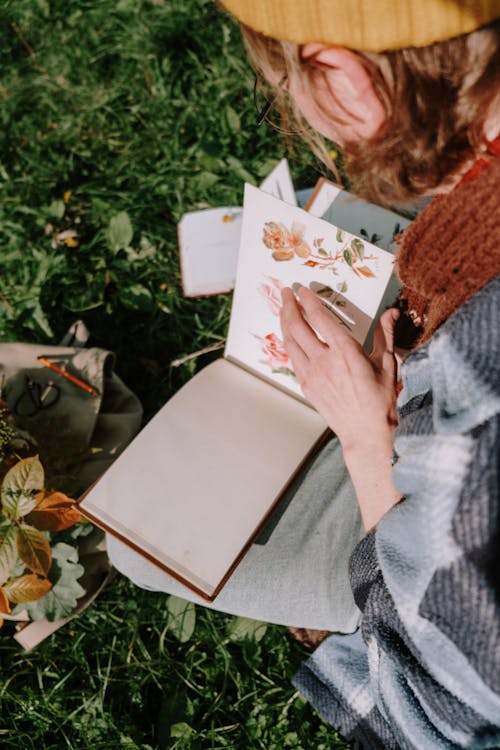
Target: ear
346	80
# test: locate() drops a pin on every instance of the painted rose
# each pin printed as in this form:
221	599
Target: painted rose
297	241
285	243
277	238
274	349
271	291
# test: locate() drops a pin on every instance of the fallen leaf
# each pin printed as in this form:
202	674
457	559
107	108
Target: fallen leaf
19	486
62	597
4	606
53	511
26	588
8	552
33	549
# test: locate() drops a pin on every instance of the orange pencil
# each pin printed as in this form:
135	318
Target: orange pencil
72	378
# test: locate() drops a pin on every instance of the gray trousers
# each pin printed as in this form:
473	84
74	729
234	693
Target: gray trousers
297	572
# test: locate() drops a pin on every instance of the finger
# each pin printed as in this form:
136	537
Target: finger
297	356
383	338
324	321
295	352
295	327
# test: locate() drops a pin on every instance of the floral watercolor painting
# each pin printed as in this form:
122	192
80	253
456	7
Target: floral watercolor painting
284	246
270	290
276	357
286	243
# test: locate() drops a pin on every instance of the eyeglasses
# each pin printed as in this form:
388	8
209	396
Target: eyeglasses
264	103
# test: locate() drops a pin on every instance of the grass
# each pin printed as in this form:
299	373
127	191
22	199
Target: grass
143	107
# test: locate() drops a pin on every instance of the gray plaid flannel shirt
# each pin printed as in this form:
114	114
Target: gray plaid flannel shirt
423	671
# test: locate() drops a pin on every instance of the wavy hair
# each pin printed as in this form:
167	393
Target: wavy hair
438	100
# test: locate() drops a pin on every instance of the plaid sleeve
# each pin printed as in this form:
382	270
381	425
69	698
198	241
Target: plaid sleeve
424	671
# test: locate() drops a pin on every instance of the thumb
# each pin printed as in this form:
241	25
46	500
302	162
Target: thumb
388	325
383	338
389	364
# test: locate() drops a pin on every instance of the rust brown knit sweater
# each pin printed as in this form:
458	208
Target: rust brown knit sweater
451	250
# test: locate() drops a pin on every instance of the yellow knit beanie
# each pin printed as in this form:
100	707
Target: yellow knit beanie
371	25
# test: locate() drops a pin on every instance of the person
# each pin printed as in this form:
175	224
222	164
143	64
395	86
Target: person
410	91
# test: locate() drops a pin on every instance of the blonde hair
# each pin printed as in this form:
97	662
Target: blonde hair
437	99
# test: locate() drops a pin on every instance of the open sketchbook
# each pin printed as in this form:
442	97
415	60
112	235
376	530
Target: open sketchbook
196	486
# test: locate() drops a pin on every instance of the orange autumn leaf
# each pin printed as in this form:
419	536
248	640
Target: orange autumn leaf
33	549
53	511
4	605
26	588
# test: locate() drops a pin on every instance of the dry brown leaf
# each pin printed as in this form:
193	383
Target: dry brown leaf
54	511
34	549
26	588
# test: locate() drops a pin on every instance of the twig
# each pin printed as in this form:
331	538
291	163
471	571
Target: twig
205	350
24	41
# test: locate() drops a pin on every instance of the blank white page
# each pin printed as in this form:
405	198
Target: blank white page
196	483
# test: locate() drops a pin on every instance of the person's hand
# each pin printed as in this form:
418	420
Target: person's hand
354	392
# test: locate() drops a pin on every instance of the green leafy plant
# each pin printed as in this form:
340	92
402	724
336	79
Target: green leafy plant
33	566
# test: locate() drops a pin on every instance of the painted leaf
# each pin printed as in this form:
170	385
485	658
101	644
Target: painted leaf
340	235
53	511
19	486
311	263
120	231
33	549
365	271
348	257
26	588
342	287
322	252
8	552
358	248
181	618
284	371
64	574
243	628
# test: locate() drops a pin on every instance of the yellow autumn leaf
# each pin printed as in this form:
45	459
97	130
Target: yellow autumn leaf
33	549
26	588
54	511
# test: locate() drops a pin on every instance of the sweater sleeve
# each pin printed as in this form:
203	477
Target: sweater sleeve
426	579
424	671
